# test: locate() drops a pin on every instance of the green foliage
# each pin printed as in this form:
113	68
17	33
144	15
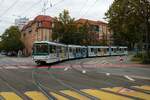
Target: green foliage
66	31
0	46
146	58
129	21
11	39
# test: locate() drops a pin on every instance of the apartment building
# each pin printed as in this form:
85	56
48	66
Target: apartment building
38	29
98	29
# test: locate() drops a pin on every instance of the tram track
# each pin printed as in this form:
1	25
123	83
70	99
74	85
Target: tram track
38	84
45	88
109	84
7	83
71	87
122	79
19	93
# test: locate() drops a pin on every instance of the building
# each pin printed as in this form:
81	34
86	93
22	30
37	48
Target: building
20	22
39	29
98	29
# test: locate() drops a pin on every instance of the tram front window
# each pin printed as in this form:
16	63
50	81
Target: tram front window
40	49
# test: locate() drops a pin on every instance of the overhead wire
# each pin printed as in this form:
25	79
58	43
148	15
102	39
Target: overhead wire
88	9
53	5
83	6
11	6
30	7
1	2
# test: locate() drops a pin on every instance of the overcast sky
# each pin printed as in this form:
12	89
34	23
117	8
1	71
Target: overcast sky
12	9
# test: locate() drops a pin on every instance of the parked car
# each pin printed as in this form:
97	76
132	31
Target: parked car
12	53
3	52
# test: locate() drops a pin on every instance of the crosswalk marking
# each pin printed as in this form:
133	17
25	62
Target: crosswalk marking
145	87
104	95
58	97
119	93
129	92
10	96
75	95
35	95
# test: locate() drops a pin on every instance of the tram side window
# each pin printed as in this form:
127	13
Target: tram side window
52	49
62	49
77	50
70	49
95	50
125	49
99	50
115	50
120	49
92	49
107	49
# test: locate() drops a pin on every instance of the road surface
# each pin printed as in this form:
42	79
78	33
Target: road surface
101	78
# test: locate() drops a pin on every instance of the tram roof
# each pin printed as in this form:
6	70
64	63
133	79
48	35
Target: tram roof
52	43
77	46
98	46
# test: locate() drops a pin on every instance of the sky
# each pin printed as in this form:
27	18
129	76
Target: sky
13	9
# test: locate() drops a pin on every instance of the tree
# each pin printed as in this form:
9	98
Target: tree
65	29
129	21
88	37
11	39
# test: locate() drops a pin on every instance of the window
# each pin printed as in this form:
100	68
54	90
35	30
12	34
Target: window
39	24
52	49
99	50
112	49
115	50
40	48
92	49
107	49
70	49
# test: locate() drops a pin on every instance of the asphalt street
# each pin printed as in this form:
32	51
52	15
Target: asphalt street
101	78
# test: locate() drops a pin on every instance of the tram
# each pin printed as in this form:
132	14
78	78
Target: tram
50	52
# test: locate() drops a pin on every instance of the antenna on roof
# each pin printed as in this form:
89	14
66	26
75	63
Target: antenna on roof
44	7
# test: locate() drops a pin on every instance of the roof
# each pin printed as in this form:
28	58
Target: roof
45	21
98	46
82	21
27	25
43	18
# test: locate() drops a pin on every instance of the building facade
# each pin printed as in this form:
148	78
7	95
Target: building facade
98	29
39	29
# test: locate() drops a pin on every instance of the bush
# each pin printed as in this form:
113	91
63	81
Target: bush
146	58
139	55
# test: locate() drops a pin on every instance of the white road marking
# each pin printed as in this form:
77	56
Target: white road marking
107	74
66	69
83	71
25	67
129	78
10	67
